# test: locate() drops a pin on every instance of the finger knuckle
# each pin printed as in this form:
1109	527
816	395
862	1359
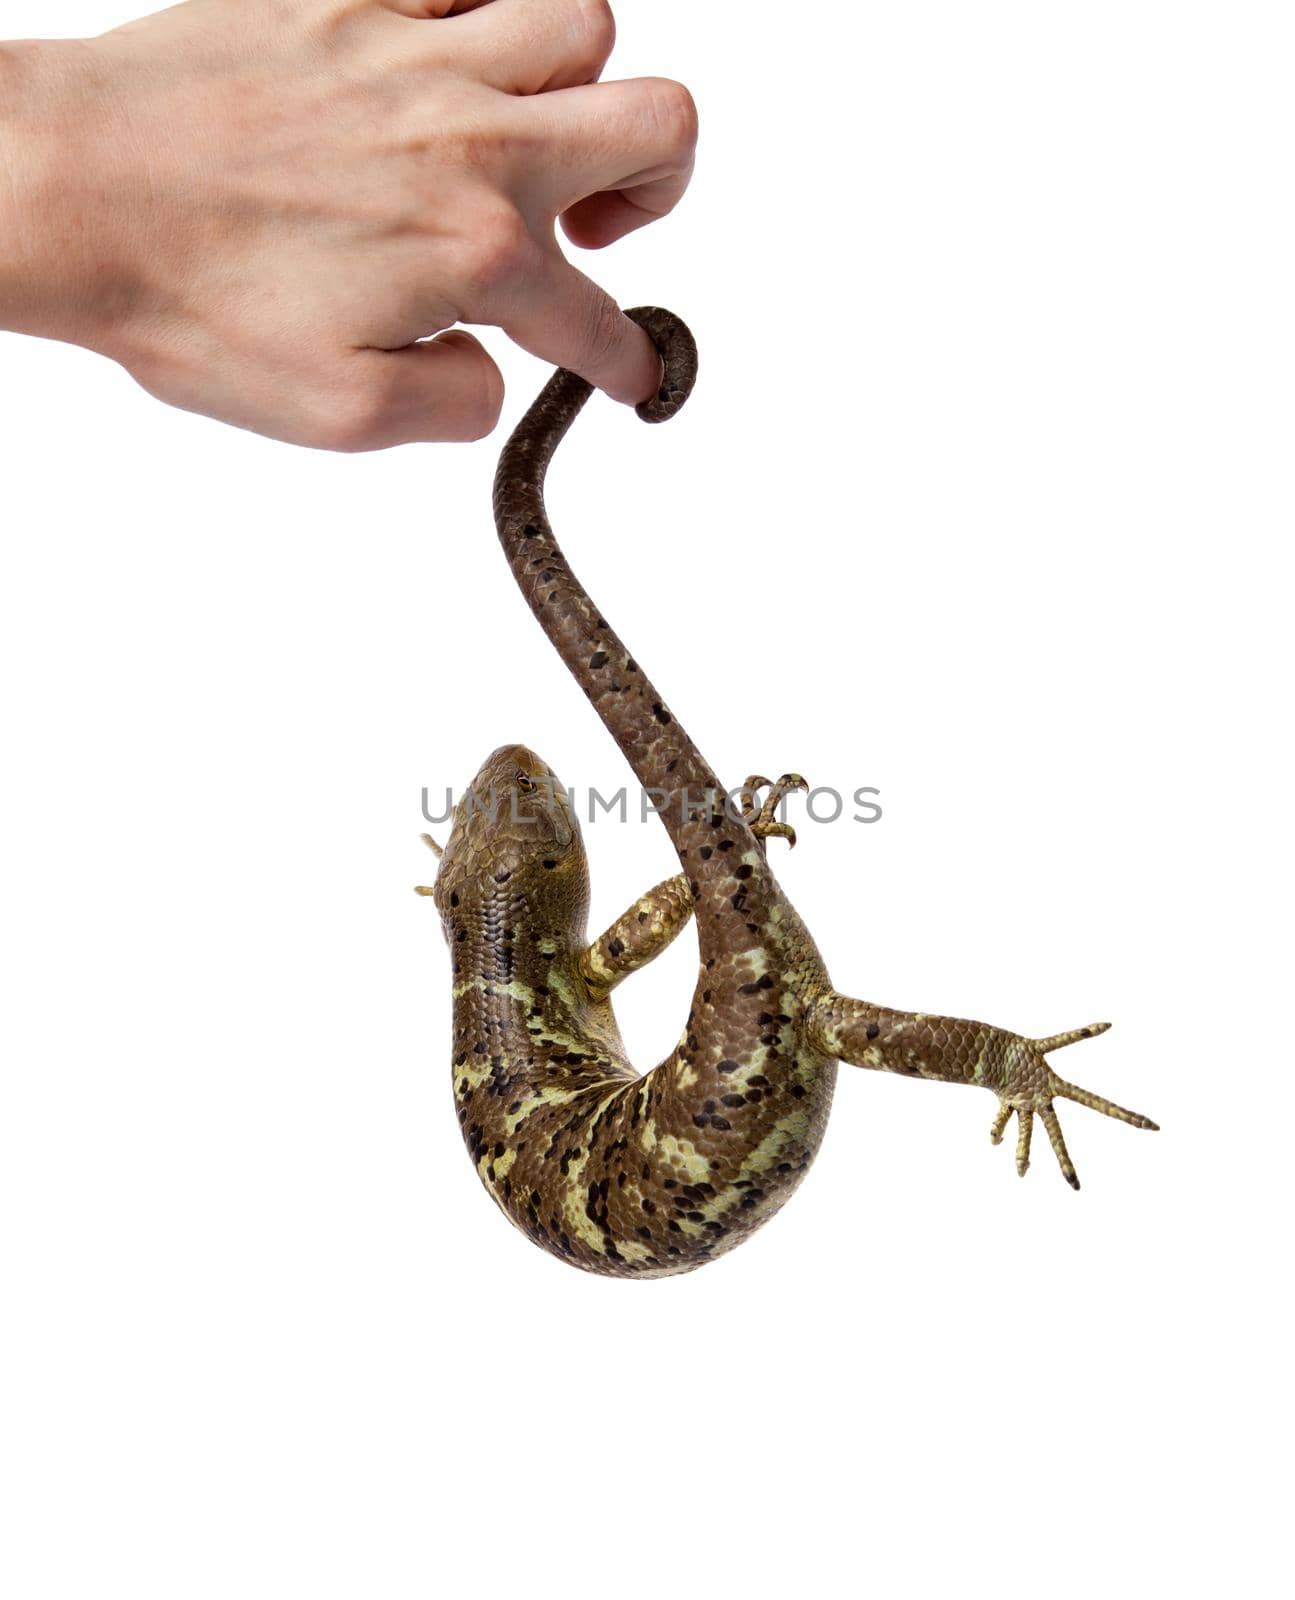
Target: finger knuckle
497	252
675	111
593	27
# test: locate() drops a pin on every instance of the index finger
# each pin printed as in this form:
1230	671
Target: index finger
566	319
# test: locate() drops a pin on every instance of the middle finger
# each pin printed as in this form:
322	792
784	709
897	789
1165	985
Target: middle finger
528	46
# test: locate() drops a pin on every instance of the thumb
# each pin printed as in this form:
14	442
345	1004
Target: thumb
441	390
568	321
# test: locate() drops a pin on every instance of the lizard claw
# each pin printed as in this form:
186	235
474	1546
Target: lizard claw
763	818
1024	1130
1030	1086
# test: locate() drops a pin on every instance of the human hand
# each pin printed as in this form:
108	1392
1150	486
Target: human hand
263	208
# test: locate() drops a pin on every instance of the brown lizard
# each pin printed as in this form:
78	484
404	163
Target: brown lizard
644	1175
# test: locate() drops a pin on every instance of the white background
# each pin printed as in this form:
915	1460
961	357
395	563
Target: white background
985	498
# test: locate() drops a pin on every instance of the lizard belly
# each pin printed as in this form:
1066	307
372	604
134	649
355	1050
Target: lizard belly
639	1176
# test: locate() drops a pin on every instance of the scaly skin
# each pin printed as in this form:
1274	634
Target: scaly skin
648	1175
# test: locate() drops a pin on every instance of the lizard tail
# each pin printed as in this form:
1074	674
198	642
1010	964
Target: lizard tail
664	758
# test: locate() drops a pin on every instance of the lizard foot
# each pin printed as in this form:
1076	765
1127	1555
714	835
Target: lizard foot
422	888
763	818
1030	1086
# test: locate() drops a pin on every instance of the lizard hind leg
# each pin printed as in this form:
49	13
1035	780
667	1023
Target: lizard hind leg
763	817
958	1051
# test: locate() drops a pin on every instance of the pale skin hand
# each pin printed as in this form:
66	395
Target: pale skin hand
261	207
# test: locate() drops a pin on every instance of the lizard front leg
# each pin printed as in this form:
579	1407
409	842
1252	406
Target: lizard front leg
652	923
640	935
956	1051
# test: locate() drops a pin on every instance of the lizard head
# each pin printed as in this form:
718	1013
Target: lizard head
514	834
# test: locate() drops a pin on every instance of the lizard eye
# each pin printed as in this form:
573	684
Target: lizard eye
526	784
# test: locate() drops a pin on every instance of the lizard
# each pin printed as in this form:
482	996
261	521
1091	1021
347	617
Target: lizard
646	1175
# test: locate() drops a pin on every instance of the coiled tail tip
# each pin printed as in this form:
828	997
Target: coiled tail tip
678	351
